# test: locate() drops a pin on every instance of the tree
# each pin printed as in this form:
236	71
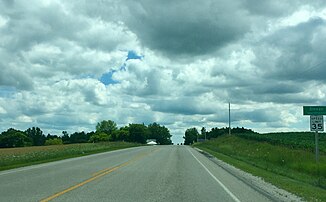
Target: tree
99	137
203	133
79	137
54	141
107	127
37	136
160	133
121	135
191	135
138	133
14	138
65	138
49	136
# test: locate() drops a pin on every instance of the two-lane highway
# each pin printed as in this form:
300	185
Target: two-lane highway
151	173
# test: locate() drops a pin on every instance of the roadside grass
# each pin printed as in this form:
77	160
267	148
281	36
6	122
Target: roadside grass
294	170
25	156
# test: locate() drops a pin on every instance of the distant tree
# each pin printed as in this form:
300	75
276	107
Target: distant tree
107	127
14	138
121	135
65	138
203	133
99	137
79	137
49	136
138	133
160	133
191	135
54	141
215	132
37	136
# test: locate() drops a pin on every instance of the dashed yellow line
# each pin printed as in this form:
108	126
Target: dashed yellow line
96	176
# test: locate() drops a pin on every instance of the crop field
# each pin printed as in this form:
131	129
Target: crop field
295	140
23	156
292	160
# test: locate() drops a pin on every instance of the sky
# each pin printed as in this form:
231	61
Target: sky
67	65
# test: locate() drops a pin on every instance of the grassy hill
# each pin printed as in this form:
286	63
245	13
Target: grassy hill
284	159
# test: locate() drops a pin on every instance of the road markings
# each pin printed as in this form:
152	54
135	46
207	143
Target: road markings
97	175
218	181
84	182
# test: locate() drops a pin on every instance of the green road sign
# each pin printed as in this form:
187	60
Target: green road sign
314	110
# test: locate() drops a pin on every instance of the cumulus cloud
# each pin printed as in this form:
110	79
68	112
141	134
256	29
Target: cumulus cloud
66	65
184	28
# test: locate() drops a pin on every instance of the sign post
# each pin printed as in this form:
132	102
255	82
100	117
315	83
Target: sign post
316	122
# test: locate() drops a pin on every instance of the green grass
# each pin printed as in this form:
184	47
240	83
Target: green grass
294	170
25	156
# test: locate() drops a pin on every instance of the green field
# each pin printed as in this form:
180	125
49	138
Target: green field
278	159
24	156
295	140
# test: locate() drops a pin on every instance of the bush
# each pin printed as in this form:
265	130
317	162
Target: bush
101	137
14	138
54	141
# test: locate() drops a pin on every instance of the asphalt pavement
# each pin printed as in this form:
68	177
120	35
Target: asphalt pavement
149	173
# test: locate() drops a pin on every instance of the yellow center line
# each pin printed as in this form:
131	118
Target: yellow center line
97	175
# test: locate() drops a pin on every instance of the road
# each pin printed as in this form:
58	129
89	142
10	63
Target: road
150	173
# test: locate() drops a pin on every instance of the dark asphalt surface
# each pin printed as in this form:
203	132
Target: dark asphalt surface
151	173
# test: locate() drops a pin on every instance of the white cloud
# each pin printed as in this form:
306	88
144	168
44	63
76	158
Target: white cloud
267	58
2	110
3	21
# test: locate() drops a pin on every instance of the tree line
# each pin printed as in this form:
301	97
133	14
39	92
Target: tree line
192	135
106	130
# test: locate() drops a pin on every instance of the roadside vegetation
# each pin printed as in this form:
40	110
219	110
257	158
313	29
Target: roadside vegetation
24	156
287	160
22	148
106	131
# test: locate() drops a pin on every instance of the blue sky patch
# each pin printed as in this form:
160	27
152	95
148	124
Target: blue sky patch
106	78
6	91
132	55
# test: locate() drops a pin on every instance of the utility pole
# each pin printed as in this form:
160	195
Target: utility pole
229	118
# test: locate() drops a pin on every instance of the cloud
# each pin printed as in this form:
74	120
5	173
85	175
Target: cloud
184	105
183	28
294	54
12	76
66	65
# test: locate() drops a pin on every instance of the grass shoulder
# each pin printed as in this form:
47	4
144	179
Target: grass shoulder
25	156
291	169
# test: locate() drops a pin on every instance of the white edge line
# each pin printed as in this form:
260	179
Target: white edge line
218	181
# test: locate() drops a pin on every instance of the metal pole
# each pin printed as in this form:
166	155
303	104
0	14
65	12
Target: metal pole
229	118
317	149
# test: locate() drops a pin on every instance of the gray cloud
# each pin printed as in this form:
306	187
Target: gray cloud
297	56
274	8
183	28
13	76
258	115
196	57
185	106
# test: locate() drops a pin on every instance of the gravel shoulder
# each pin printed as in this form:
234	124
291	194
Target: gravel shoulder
270	191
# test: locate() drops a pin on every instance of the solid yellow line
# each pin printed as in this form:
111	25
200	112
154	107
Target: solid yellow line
96	175
102	171
83	183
